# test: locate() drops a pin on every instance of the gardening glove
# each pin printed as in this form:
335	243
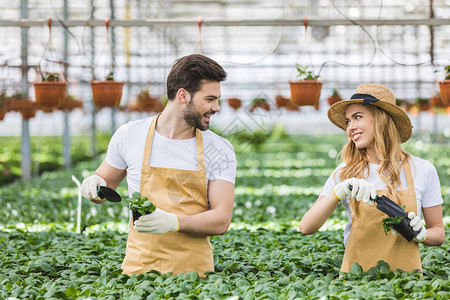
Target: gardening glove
158	222
89	188
360	190
417	224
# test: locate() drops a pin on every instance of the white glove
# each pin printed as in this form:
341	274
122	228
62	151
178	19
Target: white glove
89	188
418	224
361	190
158	222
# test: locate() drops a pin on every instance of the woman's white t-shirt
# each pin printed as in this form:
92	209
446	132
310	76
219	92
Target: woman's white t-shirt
426	185
126	151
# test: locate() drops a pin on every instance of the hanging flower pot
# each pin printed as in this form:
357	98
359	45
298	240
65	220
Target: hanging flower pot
444	86
2	113
234	103
50	92
49	87
282	101
423	104
28	111
70	103
306	91
259	103
107	93
335	97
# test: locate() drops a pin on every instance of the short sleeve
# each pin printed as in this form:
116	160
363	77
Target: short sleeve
222	161
115	155
432	193
331	182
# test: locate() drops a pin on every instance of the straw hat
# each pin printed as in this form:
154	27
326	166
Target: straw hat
376	95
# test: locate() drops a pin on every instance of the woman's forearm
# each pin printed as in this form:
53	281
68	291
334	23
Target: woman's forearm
316	216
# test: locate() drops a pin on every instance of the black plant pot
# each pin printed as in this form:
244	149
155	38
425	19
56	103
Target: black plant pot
137	215
392	209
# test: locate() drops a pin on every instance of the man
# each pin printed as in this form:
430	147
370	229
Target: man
187	171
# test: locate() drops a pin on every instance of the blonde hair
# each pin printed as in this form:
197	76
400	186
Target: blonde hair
388	149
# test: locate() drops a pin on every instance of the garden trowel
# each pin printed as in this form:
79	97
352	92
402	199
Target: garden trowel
108	193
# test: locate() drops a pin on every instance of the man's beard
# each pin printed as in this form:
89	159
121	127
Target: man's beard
193	118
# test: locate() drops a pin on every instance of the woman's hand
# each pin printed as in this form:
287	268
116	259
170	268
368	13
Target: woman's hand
359	189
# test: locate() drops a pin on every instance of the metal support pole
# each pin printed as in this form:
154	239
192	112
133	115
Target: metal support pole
25	143
113	46
93	140
66	131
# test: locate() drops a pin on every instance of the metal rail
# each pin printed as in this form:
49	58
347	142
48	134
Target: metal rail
227	22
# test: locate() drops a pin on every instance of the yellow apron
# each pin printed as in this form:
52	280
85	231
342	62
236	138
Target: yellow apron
367	243
177	191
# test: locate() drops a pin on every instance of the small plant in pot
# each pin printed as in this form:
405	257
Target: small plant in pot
261	103
306	91
140	206
234	103
335	97
107	92
444	86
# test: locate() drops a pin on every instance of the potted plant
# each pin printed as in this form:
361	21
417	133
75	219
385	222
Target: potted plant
17	101
306	91
423	104
148	103
261	103
282	101
444	86
335	97
28	110
49	87
108	92
140	206
71	103
234	103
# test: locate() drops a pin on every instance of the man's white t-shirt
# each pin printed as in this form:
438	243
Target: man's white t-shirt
426	185
126	152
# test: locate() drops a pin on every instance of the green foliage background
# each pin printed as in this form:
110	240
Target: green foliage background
262	256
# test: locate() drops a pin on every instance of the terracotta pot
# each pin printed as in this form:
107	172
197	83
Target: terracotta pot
444	86
261	103
424	105
71	104
306	92
50	94
16	104
107	93
436	101
28	111
282	101
2	114
234	103
334	99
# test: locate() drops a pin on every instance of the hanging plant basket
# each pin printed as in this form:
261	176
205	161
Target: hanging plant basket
70	103
107	93
28	111
16	103
444	86
259	103
306	92
334	98
282	101
2	114
49	87
50	94
234	103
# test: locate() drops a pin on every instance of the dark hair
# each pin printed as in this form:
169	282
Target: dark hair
190	71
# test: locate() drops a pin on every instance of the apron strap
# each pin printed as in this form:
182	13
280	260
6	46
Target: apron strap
409	178
149	142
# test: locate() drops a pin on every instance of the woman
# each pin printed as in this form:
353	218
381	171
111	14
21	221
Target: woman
374	163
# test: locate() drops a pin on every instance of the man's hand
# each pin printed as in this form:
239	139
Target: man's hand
158	222
89	188
360	190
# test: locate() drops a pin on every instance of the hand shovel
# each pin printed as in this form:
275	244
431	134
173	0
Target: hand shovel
392	209
108	193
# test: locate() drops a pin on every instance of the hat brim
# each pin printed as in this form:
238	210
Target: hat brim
336	114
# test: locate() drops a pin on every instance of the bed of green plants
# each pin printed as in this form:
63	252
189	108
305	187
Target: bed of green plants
262	256
46	154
